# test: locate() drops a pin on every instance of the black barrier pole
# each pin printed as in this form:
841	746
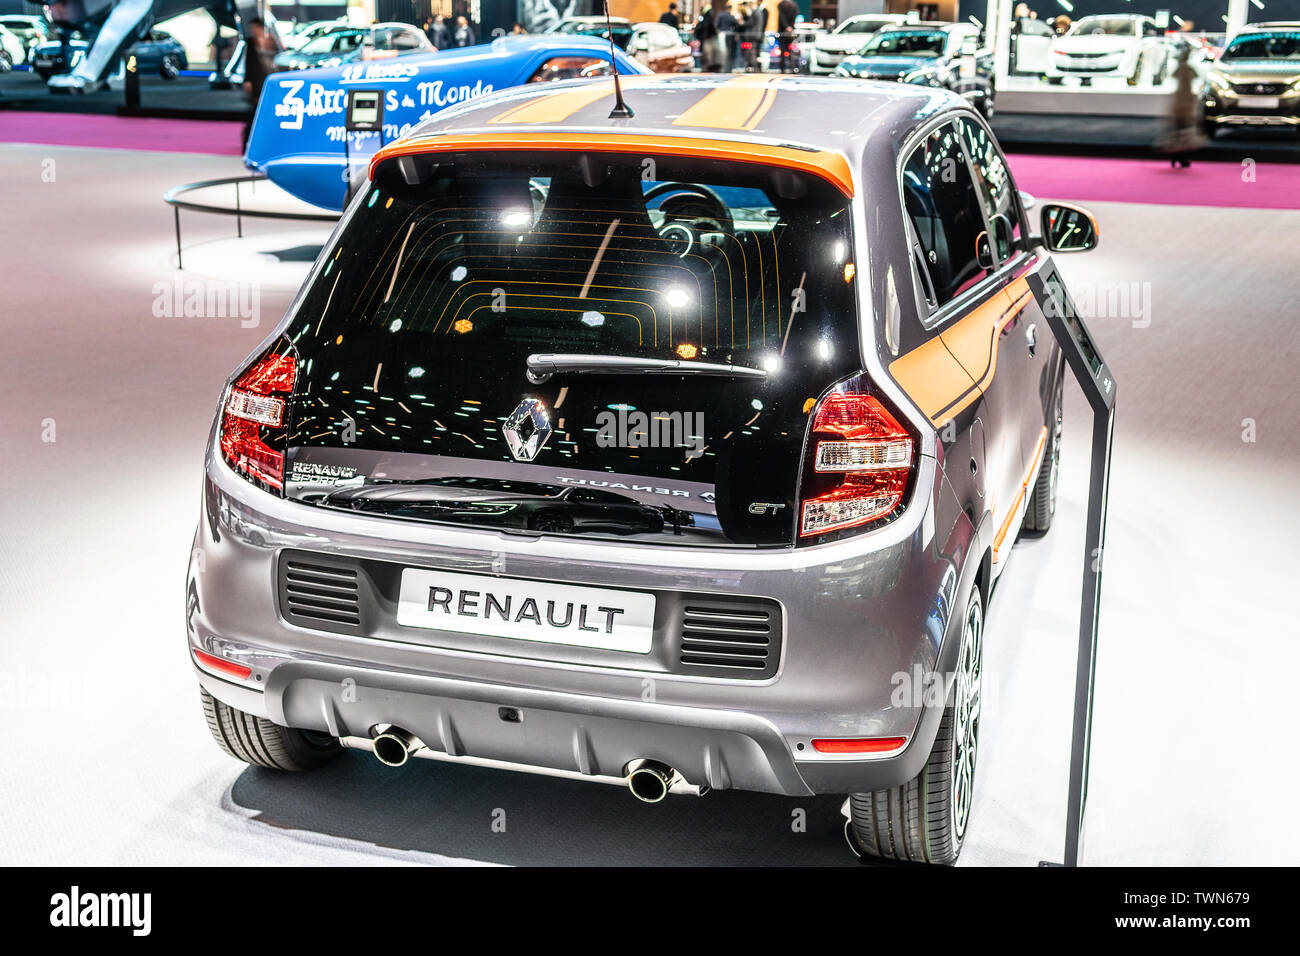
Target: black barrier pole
177	211
1094	377
132	84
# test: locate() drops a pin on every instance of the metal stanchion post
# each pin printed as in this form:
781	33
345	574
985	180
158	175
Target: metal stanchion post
1098	384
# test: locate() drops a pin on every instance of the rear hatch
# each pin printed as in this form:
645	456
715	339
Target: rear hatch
595	344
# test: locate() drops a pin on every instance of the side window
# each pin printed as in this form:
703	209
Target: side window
945	210
996	189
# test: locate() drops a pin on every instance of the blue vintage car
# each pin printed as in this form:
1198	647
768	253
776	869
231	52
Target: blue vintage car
299	138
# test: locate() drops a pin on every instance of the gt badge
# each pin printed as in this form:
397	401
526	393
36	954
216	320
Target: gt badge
527	429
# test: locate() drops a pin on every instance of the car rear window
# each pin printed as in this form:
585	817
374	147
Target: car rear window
414	340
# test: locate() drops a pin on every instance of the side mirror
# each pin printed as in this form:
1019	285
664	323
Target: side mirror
1069	228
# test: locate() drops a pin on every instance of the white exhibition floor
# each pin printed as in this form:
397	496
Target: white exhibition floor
105	756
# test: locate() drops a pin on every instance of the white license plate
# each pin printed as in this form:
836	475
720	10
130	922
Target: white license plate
527	610
1258	102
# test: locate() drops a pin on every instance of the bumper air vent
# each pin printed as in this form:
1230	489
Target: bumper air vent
321	596
729	637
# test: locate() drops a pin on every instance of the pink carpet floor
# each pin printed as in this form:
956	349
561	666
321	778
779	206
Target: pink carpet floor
121	132
1262	186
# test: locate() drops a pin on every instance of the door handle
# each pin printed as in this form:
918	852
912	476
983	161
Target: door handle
1031	338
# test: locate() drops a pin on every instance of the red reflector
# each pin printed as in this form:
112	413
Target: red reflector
858	745
223	665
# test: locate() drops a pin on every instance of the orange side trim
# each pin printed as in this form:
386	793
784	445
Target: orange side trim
933	378
828	164
974	339
739	103
1024	489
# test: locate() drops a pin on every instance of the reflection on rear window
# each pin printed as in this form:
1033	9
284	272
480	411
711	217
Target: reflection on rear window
485	261
415	334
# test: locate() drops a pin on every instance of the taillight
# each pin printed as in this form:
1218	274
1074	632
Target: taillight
861	462
253	419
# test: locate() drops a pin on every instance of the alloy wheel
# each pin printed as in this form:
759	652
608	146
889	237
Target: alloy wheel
970	667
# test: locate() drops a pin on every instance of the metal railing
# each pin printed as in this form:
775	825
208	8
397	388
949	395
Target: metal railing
173	198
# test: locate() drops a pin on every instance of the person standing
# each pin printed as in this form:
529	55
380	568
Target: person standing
463	35
1183	135
787	12
438	33
259	54
728	27
670	16
706	32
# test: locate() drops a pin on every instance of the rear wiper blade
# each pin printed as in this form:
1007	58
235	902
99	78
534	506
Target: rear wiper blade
541	367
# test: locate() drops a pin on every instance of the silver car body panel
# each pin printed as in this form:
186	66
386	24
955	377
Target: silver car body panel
861	617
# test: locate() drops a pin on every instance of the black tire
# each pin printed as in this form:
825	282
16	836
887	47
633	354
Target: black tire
258	741
553	522
1042	501
925	820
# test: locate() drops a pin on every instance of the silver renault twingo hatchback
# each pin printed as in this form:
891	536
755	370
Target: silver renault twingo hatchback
679	451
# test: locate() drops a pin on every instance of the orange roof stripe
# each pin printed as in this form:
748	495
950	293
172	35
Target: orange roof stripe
828	164
739	103
559	106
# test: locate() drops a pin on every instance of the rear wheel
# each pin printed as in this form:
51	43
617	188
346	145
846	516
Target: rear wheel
925	819
262	743
1042	502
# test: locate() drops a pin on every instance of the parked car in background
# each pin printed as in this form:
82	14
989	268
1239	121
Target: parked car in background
13	52
946	55
30	31
660	47
298	138
353	44
160	53
303	33
1031	43
596	27
58	55
828	49
1115	45
811	505
1256	80
801	47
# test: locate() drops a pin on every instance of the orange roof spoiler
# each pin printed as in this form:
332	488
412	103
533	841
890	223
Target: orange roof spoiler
828	164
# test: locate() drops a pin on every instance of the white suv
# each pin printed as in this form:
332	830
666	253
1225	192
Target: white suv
828	49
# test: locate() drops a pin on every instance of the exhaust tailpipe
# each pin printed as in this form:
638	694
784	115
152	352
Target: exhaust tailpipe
650	780
394	746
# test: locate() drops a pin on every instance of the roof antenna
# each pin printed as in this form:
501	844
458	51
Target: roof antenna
621	110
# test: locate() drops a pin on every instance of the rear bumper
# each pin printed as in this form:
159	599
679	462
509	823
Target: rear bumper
865	622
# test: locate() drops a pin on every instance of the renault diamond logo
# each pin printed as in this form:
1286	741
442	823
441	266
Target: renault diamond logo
527	429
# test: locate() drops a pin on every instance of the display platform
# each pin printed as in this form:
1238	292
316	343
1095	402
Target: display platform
185	97
450	811
1131	136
